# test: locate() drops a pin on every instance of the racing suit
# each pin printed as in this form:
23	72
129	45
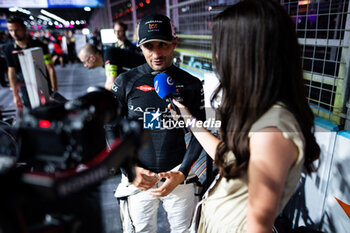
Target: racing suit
137	97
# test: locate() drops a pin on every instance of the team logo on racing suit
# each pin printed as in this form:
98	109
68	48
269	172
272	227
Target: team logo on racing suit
145	88
151	120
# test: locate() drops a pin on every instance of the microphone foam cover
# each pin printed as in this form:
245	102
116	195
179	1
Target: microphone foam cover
164	85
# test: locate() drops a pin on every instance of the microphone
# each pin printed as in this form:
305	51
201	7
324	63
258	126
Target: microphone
165	88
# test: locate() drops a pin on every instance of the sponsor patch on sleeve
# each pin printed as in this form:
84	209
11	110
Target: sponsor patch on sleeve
111	70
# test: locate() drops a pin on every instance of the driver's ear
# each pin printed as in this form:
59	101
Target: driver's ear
142	47
175	41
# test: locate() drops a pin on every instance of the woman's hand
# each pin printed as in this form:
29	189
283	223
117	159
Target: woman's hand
208	141
185	113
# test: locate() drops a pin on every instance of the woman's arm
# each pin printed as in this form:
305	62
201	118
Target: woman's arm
208	141
271	157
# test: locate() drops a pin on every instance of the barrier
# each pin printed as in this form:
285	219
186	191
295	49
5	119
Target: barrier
336	214
306	207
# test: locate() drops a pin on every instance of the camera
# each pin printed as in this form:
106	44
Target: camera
62	156
58	136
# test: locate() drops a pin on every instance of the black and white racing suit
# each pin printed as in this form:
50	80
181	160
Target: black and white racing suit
167	149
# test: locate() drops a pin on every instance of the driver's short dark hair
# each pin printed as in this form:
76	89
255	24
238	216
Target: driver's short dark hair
15	19
123	25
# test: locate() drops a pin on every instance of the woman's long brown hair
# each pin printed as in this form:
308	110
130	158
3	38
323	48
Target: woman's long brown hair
256	56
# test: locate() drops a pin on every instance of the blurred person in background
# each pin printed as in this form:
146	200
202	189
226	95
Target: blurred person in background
3	65
114	60
21	40
58	52
120	29
95	39
72	55
44	37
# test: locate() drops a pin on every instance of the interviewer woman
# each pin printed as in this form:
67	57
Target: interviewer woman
267	126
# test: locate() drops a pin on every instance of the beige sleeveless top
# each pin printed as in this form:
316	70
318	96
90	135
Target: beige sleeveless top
225	208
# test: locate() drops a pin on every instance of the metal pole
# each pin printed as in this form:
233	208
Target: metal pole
109	13
134	17
175	14
167	8
347	77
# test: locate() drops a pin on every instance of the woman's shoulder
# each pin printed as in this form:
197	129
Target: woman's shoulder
277	116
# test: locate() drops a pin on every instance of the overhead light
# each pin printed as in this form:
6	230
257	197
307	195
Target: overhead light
59	19
306	2
25	11
44	18
14	9
87	8
77	22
